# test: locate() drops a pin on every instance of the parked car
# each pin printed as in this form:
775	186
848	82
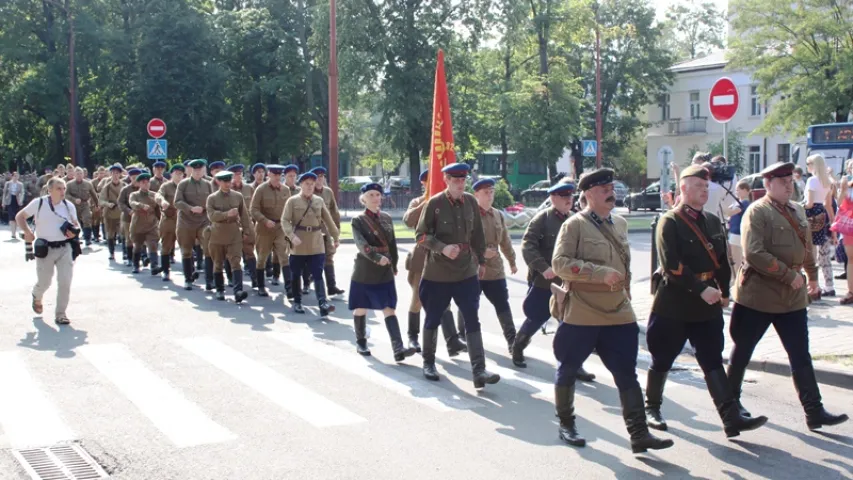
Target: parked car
621	191
646	199
400	183
536	193
358	181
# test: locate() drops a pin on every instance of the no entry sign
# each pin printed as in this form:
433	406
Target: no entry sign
724	100
156	128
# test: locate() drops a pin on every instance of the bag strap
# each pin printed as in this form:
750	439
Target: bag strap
377	229
297	224
623	255
792	222
709	247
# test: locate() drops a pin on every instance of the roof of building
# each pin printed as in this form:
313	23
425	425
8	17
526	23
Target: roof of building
708	62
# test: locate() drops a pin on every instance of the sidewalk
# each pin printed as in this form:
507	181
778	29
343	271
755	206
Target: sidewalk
830	333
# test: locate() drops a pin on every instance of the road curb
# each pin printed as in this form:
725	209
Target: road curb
513	236
825	374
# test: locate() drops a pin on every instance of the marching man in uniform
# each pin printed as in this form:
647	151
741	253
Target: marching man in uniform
169	217
328	196
451	229
266	209
237	185
191	200
126	211
143	223
689	301
81	192
108	199
771	290
593	258
230	229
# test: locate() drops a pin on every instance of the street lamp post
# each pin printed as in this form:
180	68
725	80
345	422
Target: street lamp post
333	97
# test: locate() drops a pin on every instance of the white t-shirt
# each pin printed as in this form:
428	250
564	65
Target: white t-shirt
47	224
813	184
716	199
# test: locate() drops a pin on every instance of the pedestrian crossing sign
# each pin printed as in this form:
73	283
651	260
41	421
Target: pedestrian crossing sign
590	148
157	149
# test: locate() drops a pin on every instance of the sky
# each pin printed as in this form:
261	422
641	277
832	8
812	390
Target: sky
662	5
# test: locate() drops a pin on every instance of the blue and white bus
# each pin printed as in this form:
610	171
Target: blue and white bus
832	140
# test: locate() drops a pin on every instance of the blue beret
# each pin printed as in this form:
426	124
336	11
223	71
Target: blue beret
115	168
291	168
457	169
218	164
275	169
134	171
159	165
563	189
371	186
258	166
596	178
167	176
197	163
187	162
143	176
423	176
178	166
236	168
224	175
319	171
306	176
486	182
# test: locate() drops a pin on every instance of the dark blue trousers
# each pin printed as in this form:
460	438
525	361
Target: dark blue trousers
665	338
616	345
537	309
306	264
436	297
496	293
748	326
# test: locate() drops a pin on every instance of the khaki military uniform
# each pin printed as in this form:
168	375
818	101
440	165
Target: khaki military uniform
81	194
306	219
157	182
97	211
126	212
143	223
328	197
226	232
268	205
191	226
168	217
417	256
109	198
248	248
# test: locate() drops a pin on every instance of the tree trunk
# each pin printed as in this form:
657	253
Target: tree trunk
60	147
504	153
414	167
260	146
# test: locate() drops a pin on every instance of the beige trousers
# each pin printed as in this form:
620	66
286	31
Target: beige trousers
59	259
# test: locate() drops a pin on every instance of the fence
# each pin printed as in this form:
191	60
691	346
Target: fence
396	201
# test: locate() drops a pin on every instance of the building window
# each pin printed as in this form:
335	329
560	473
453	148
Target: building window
694	105
664	107
532	168
783	152
755	101
754	159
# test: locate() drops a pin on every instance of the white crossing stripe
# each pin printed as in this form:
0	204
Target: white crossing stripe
723	100
385	376
290	395
28	418
179	419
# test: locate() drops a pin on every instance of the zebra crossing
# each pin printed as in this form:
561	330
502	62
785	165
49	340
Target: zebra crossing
37	416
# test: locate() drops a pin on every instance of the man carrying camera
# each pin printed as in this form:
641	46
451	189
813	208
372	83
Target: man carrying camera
55	244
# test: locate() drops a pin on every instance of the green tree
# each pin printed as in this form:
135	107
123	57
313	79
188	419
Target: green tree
800	53
694	29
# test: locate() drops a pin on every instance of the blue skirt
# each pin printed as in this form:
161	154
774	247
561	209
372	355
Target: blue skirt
377	296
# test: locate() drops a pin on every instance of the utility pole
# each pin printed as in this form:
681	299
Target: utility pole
333	97
597	88
72	79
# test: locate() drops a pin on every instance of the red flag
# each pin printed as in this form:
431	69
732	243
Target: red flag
442	151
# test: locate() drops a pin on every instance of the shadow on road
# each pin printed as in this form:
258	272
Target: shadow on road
61	340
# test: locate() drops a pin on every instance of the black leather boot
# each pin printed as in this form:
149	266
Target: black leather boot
297	296
430	343
166	266
721	392
809	392
564	396
111	247
735	376
125	255
477	354
460	325
229	275
145	260
268	268
331	284
360	326
634	414
219	283
414	330
208	275
326	307
199	258
251	267
188	273
260	278
522	340
288	281
276	271
306	282
655	382
448	328
137	258
508	328
239	294
584	376
87	235
400	352
156	269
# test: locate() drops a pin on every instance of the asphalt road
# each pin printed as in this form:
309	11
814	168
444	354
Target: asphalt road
157	383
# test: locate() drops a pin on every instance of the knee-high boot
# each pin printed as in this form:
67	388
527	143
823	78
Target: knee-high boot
251	267
724	400
239	294
477	354
137	258
400	352
655	381
454	345
429	345
634	414
508	328
208	274
564	396
219	282
414	330
188	273
360	326
167	267
276	270
229	275
331	282
260	278
816	414
288	281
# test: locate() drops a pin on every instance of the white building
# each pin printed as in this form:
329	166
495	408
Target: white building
681	120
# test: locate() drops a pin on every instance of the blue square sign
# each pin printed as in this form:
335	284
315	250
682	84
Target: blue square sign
157	149
590	148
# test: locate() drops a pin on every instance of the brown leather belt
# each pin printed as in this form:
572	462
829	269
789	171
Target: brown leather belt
308	229
705	276
596	287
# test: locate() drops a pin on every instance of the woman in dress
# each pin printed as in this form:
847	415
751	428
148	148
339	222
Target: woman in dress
372	285
843	225
818	196
13	200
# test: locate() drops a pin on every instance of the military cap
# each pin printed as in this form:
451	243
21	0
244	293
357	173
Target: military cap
778	170
187	162
457	169
224	176
167	176
484	183
274	169
319	171
218	164
306	176
596	178
236	168
697	171
178	166
197	163
371	186
423	176
291	168
563	189
143	176
257	166
159	165
134	171
115	168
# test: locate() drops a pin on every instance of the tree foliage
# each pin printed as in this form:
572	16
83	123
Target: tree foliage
694	29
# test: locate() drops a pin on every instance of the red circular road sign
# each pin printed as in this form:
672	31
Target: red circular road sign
156	128
723	100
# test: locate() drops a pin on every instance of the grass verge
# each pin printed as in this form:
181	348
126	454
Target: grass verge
843	360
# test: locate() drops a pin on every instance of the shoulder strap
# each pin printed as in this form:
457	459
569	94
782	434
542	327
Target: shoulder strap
297	224
792	222
709	247
623	255
377	229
